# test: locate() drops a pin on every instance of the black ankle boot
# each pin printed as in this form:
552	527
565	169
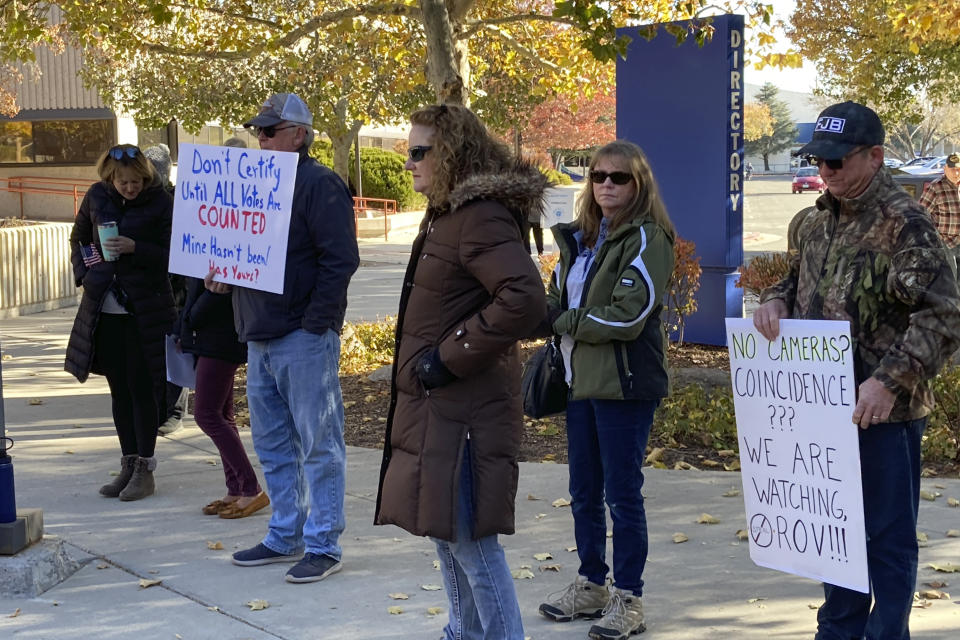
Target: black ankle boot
113	489
141	483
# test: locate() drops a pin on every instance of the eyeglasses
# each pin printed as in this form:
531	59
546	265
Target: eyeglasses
271	130
119	153
618	177
837	164
416	153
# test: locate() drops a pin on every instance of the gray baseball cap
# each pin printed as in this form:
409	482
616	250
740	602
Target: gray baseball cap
282	107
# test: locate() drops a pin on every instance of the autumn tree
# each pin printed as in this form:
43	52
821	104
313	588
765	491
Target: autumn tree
784	129
559	127
923	136
757	121
23	27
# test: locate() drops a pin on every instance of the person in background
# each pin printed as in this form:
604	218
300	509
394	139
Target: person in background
941	198
206	330
870	255
235	142
127	306
174	406
293	349
470	292
604	302
532	223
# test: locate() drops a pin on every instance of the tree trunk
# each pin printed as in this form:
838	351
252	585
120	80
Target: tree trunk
445	58
342	136
766	162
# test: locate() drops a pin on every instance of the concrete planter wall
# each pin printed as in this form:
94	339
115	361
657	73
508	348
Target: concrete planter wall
35	270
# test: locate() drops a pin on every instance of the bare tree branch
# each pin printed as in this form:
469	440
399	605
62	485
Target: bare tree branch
476	25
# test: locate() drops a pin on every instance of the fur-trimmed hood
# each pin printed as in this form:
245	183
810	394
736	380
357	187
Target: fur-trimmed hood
520	190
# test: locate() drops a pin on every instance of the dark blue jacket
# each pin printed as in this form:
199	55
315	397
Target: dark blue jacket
206	326
322	255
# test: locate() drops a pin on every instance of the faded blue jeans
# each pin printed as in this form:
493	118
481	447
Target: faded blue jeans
477	579
890	474
296	418
606	444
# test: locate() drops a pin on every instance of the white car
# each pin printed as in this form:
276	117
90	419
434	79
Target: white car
934	165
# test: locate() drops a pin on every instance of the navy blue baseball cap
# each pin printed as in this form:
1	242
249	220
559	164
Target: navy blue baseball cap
841	128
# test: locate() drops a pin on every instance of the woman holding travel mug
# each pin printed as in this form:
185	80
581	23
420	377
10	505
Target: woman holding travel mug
119	249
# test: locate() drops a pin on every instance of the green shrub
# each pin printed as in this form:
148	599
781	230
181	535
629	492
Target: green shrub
366	345
692	417
941	440
382	173
556	177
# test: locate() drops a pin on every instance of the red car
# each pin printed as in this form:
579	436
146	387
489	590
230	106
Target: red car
807	179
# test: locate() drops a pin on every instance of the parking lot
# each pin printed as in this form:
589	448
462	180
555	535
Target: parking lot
768	207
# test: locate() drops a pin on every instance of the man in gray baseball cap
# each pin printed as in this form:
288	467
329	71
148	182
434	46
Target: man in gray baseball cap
293	347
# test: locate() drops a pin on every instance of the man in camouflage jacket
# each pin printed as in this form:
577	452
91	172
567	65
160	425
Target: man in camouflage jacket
870	255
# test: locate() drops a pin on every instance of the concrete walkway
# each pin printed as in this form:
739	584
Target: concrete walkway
66	448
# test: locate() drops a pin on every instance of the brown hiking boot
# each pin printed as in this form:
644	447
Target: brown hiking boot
622	617
141	483
581	599
113	489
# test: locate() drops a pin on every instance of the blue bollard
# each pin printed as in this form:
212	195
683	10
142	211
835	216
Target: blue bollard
8	500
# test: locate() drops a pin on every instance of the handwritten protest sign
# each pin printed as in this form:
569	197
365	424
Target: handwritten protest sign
231	212
799	451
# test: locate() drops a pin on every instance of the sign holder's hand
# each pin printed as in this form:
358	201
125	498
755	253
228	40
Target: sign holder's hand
874	403
119	244
767	318
215	287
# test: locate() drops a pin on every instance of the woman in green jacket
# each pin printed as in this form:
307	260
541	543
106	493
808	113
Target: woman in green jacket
605	301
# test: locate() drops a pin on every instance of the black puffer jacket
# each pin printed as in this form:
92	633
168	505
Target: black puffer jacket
206	326
142	274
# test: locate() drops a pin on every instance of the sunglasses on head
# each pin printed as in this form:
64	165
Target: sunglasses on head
271	131
618	177
416	153
119	153
835	165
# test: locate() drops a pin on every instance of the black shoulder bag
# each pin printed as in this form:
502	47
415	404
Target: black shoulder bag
543	385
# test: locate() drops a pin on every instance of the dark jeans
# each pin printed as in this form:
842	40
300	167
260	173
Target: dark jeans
606	442
537	236
213	411
890	472
120	355
176	404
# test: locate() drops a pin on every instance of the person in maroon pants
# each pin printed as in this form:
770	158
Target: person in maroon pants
207	331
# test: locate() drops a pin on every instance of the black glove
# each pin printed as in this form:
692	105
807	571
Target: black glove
552	316
432	372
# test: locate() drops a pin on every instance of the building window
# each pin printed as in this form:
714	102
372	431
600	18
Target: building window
55	142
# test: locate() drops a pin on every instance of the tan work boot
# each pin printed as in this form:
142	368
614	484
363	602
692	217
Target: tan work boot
582	599
112	489
622	617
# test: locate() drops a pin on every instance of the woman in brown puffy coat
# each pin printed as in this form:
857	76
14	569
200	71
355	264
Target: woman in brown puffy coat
470	292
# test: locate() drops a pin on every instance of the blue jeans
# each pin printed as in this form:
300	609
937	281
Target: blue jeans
296	418
479	585
606	444
890	472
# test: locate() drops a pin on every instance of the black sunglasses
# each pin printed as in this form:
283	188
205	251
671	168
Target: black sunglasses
837	164
271	130
416	153
118	153
618	177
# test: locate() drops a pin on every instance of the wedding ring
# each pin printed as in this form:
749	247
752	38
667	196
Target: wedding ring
876	418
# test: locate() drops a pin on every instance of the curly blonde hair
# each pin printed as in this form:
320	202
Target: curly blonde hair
462	147
107	165
646	203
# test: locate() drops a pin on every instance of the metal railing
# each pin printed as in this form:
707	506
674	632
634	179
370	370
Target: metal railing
45	186
374	208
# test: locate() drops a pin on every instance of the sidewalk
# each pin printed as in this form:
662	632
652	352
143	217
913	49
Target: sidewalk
66	448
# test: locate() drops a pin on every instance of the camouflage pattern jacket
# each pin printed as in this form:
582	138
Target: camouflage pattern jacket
878	262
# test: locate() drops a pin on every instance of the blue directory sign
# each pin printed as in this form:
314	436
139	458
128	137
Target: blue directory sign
684	106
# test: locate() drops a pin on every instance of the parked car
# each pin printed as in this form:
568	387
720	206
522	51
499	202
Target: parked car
892	163
807	179
933	165
917	161
913	183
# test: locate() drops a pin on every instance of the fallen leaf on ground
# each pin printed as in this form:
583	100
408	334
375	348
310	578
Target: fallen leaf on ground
953	502
103	566
370	398
609	534
34	402
929	495
922	539
680	465
394	611
436	565
146	584
726	453
530	496
550	567
953	533
655	455
542	556
679	537
349	403
945	568
710	463
431	587
937	584
15	613
733	466
732	493
258	605
560	502
522	574
434	611
398	596
741	534
934	594
216	546
922	604
550	457
7	356
398	539
539	516
753	600
813	606
940	486
706	518
69	451
214	609
571	548
115	473
211	462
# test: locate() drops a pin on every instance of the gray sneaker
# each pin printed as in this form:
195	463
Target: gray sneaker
582	599
171	425
313	568
622	617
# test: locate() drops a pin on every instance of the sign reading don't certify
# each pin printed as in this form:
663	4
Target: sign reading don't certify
799	449
231	213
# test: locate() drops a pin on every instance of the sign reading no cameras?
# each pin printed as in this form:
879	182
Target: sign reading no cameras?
799	449
231	213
